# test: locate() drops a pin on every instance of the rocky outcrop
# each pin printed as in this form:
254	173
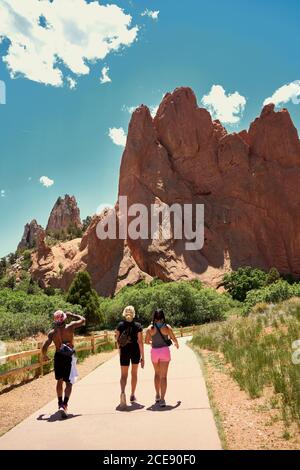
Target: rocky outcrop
64	215
109	262
30	236
247	181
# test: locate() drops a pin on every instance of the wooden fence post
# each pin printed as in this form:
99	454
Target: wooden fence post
106	337
41	359
181	332
193	330
93	344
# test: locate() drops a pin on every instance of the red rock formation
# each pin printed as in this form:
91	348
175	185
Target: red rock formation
30	236
247	181
65	214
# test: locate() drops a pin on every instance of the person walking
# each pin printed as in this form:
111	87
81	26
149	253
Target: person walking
64	359
129	338
160	336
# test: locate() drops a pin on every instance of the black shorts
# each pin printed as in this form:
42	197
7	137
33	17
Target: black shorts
62	367
131	352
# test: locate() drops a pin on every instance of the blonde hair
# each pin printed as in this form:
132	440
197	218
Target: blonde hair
129	310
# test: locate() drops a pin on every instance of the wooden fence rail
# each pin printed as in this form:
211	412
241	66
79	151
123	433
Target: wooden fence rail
91	344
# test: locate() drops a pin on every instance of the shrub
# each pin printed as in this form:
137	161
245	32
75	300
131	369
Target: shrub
24	315
26	260
184	303
239	283
272	276
260	350
275	292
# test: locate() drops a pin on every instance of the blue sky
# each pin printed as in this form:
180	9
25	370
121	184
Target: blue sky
248	47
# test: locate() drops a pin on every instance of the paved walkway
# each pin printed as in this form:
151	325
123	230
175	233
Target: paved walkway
186	423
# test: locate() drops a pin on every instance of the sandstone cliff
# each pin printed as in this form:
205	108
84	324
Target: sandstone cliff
30	236
247	182
64	215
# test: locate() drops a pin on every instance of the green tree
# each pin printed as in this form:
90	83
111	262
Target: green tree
239	282
3	265
86	222
11	282
26	261
272	276
82	293
12	258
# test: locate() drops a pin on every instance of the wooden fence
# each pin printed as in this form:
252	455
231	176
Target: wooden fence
91	343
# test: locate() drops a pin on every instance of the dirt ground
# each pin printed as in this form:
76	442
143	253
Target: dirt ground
247	423
20	401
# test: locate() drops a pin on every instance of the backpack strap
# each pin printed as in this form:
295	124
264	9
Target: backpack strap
158	329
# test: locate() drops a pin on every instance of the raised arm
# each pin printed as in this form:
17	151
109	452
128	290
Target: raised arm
79	320
46	345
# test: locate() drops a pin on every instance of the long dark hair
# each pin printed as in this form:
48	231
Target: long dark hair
158	315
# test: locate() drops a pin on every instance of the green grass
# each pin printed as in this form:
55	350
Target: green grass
259	348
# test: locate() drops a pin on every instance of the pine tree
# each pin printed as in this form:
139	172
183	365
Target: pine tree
82	293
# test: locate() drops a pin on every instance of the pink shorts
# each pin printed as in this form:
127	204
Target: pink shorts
160	354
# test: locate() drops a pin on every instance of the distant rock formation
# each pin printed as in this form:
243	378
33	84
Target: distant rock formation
248	182
64	215
30	236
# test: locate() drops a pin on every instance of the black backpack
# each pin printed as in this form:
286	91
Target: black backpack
125	337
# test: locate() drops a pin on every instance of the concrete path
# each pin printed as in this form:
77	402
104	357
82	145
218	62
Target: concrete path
186	423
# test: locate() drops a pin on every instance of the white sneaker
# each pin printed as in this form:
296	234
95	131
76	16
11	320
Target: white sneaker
63	411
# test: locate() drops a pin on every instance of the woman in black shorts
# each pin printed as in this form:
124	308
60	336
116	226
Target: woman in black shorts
129	336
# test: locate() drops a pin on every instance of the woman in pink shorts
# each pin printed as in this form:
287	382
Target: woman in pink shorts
158	335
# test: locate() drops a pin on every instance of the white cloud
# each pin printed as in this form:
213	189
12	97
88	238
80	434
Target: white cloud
46	34
152	14
2	193
227	108
45	181
72	83
153	110
118	136
286	93
105	78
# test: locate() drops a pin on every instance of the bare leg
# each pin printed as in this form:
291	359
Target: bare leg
68	390
156	366
124	375
59	388
134	370
163	378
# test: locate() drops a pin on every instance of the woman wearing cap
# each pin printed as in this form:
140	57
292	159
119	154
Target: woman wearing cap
158	335
129	337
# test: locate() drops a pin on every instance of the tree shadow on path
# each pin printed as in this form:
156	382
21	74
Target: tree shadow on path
156	407
55	417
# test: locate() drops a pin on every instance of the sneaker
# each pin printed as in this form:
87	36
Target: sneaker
63	411
123	403
162	403
132	398
157	398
